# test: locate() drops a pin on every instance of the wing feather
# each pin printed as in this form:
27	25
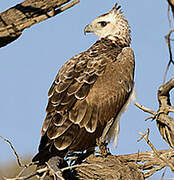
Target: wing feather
56	98
62	86
90	79
68	99
78	112
56	131
86	92
83	91
66	139
92	122
74	88
51	90
86	117
58	119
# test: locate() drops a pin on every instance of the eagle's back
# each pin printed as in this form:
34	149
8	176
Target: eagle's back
89	90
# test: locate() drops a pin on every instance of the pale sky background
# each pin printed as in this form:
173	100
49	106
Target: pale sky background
29	65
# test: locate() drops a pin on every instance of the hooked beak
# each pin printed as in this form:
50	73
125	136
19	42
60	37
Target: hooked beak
88	29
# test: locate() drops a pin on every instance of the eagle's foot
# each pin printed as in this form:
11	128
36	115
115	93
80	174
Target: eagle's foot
103	150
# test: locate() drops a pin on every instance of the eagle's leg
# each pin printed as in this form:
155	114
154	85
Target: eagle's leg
101	142
77	158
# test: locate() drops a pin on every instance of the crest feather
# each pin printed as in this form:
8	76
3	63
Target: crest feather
116	8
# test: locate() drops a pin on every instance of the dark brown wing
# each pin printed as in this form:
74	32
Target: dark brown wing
88	91
108	96
67	109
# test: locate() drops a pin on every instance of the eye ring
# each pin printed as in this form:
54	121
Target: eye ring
103	23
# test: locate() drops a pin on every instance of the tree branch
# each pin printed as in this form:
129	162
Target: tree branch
171	3
14	20
139	166
168	39
165	122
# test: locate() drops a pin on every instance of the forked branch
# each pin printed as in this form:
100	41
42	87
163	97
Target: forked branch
165	122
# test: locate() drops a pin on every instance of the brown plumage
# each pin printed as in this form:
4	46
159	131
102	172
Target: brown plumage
89	90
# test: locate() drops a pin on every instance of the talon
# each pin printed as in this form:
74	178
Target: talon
103	150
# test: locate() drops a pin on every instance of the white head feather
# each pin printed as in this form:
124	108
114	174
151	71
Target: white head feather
112	25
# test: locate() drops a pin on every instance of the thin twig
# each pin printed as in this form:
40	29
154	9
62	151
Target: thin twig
71	4
146	137
26	166
150	117
145	109
152	171
170	54
54	12
137	156
15	152
168	15
22	178
162	177
54	173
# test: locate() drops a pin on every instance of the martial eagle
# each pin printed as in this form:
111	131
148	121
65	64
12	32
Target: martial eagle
91	90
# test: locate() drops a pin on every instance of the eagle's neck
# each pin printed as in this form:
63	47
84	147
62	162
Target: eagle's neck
106	48
113	42
122	41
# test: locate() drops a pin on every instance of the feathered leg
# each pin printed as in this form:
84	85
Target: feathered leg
101	142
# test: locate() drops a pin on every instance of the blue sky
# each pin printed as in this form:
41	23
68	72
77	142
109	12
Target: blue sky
29	65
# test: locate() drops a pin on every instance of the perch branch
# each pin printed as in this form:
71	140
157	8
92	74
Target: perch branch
115	165
126	166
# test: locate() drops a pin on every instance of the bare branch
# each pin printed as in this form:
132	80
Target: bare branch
168	15
170	53
22	16
171	4
145	109
165	122
128	166
15	152
146	137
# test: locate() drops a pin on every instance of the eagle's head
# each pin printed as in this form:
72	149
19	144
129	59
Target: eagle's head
112	25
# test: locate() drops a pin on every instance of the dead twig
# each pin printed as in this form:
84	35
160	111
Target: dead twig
22	178
146	137
168	15
20	164
162	177
15	152
171	4
167	37
165	122
145	109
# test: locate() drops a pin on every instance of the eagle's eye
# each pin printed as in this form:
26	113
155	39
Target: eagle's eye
103	23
